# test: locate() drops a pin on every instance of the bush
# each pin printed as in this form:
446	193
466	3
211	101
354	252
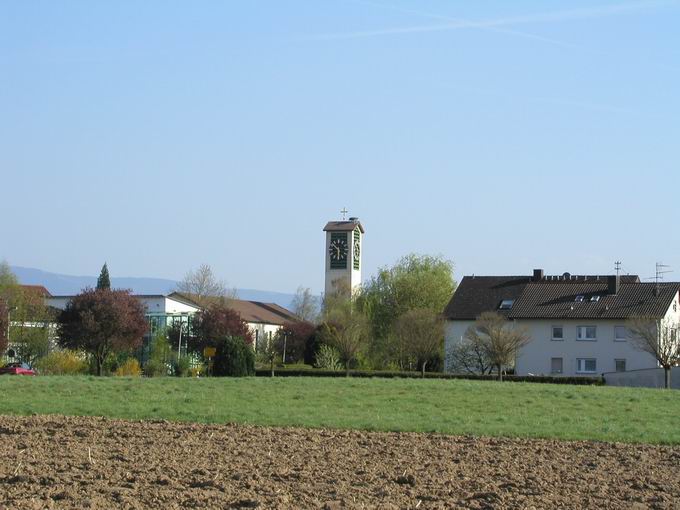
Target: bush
129	367
577	381
157	368
64	362
182	366
161	357
328	358
312	345
234	358
197	371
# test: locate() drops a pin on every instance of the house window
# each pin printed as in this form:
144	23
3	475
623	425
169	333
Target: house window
557	333
620	334
586	365
579	299
586	333
506	304
594	299
620	365
555	365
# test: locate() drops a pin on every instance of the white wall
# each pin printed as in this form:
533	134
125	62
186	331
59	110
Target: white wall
154	304
59	302
166	305
262	332
453	334
535	357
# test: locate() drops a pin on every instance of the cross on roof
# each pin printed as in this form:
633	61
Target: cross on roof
344	213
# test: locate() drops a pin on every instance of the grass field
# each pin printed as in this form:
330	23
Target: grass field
444	406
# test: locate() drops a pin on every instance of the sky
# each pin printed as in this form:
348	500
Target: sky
503	136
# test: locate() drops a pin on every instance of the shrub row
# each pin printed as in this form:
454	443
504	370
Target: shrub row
284	372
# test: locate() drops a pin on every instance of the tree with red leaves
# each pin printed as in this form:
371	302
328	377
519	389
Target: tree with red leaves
298	335
101	322
223	328
216	322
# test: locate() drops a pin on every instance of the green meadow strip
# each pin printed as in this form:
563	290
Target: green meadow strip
484	408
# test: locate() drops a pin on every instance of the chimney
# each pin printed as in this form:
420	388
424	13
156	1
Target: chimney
538	275
613	284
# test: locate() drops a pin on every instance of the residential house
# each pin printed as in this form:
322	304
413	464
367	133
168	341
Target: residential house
577	324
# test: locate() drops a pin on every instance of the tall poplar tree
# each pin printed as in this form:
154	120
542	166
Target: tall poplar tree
104	282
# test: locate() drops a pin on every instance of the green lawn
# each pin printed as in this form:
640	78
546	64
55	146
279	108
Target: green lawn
445	406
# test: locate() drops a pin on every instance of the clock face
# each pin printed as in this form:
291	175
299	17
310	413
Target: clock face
338	249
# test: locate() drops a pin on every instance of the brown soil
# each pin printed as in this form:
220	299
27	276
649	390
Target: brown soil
61	462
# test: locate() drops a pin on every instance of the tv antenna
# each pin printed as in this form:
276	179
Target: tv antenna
617	267
661	269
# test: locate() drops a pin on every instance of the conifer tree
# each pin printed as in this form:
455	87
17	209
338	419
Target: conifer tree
103	282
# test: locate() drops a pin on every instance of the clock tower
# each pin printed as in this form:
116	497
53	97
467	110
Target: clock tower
344	243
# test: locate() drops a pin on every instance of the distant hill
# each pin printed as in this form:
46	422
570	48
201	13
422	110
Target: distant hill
60	284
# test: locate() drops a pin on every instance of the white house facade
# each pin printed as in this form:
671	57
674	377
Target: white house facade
577	324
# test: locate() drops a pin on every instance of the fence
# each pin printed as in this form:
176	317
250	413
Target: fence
644	378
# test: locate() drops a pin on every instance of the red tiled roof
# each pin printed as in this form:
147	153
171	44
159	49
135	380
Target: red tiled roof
250	311
38	289
264	313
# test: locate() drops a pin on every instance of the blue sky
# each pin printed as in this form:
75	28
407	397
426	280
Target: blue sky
501	135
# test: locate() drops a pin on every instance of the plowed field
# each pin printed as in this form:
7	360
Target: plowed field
68	462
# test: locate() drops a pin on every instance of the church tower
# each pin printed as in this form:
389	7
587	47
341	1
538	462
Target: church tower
344	242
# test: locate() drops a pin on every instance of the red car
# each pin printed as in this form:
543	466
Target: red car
17	369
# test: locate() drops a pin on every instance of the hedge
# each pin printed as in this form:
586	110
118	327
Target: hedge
284	372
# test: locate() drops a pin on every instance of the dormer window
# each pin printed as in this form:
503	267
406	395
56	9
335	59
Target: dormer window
579	299
506	304
594	299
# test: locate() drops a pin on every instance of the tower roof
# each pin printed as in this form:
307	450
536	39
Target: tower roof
343	226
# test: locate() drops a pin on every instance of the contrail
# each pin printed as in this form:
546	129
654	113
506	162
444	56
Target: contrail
516	33
565	15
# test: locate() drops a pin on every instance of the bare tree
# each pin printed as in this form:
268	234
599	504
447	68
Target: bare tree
271	351
467	356
346	330
421	331
305	305
203	286
660	339
498	338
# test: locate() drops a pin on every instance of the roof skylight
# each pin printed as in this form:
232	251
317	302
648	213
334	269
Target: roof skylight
506	304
